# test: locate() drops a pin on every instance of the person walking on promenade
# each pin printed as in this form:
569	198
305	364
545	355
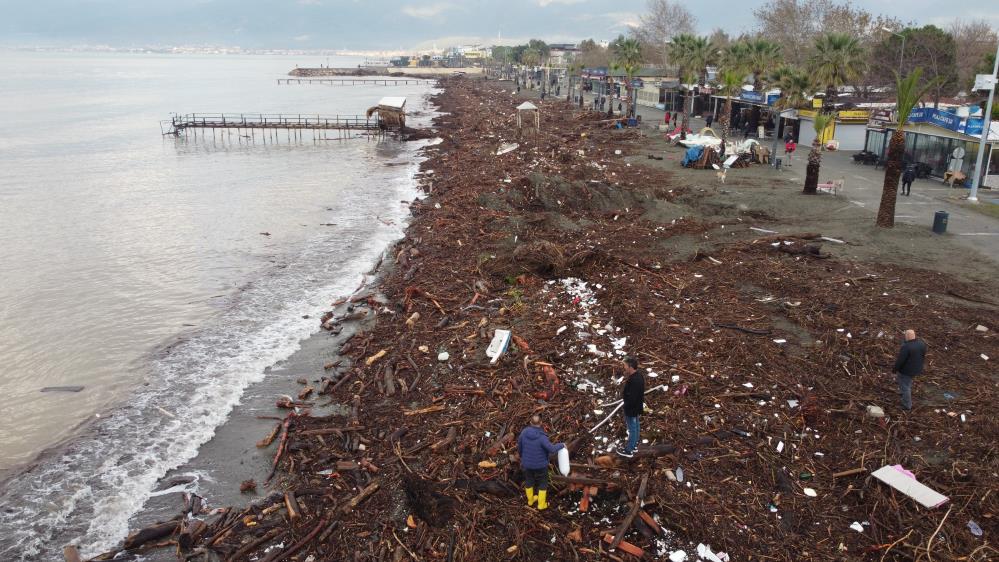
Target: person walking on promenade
789	148
634	401
666	120
909	364
534	447
709	120
908	176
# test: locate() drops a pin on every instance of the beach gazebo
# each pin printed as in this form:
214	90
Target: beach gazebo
528	117
391	112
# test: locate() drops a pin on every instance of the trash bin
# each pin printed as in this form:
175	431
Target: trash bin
940	222
777	163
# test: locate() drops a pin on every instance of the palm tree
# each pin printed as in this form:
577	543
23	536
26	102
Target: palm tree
815	156
761	55
627	53
794	87
838	59
730	84
735	57
908	93
692	54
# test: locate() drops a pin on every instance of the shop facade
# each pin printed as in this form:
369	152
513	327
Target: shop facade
936	143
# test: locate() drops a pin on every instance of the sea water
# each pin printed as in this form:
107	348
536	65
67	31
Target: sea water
162	274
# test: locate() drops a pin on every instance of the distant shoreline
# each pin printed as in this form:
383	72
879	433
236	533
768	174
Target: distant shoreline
416	72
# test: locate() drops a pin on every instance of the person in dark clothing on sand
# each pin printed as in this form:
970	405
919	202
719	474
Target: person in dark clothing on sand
909	364
534	447
908	176
634	401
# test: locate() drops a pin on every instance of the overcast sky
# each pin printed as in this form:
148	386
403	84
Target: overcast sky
382	24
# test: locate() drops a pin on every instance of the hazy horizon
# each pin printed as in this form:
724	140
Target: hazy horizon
382	24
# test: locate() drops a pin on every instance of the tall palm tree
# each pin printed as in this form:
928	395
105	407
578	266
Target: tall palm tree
693	54
762	56
794	86
731	84
815	156
735	56
627	54
908	93
838	59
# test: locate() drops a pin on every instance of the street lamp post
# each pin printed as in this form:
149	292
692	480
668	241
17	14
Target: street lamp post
986	126
901	53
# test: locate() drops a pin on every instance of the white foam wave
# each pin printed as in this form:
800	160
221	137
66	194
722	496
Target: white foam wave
87	493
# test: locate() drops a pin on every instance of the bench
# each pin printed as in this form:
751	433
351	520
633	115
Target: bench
833	187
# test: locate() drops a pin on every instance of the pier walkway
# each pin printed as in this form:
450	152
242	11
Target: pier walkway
247	124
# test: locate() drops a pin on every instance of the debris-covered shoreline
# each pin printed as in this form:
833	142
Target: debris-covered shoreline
764	354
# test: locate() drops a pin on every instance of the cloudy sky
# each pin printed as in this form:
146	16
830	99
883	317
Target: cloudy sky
381	24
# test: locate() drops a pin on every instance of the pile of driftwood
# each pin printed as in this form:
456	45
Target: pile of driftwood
762	361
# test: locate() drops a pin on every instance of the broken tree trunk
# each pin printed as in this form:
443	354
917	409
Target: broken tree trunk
635	507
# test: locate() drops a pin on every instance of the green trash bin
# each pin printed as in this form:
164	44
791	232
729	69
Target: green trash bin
940	222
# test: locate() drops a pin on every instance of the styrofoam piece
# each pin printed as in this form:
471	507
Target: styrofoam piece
905	482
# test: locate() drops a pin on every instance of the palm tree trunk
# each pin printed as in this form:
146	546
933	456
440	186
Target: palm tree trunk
829	104
726	118
893	169
812	170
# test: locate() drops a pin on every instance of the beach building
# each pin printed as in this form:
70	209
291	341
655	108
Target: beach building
940	140
391	112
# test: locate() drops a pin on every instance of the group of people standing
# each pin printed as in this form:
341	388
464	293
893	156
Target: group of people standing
535	448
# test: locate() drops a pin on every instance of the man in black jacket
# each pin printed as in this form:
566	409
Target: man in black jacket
634	400
909	364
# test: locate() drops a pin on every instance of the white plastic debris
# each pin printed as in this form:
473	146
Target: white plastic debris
985	357
856	526
704	551
497	347
780	340
678	556
443	356
748	385
780	447
792	403
875	412
504	148
810	492
980	328
560	330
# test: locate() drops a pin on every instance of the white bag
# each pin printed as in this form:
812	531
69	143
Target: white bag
563	461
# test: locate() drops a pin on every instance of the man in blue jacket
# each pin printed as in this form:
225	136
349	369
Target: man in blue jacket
908	364
534	448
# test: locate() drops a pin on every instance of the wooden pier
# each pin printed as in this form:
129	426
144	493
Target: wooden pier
269	125
357	81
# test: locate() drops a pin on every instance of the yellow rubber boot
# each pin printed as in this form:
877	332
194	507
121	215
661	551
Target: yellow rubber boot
542	499
530	497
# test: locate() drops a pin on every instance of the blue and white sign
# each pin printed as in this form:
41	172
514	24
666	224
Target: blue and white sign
772	98
754	97
974	127
937	117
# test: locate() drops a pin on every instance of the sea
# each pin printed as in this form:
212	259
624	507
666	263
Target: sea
165	275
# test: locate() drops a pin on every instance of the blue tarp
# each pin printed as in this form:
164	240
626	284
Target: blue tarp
693	154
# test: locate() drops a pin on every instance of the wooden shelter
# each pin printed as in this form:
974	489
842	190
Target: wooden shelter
528	117
391	112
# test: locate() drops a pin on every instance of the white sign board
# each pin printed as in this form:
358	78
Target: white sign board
984	82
